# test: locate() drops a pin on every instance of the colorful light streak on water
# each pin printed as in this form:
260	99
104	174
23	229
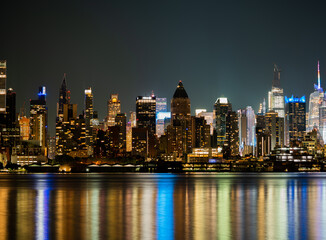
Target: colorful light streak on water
163	206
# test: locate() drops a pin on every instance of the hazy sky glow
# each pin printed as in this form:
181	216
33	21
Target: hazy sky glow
133	47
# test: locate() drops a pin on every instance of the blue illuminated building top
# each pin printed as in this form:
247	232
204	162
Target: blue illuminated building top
295	99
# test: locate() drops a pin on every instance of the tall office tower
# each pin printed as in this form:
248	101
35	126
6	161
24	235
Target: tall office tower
146	113
242	121
132	119
38	118
251	132
263	137
128	137
276	96
322	119
140	141
63	98
11	108
114	108
295	119
180	131
201	133
209	117
231	143
161	105
247	132
121	123
3	78
24	126
262	108
315	101
162	118
88	116
275	126
222	107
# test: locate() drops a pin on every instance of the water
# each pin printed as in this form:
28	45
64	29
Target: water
163	206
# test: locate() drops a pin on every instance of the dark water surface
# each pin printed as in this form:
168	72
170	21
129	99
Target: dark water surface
163	206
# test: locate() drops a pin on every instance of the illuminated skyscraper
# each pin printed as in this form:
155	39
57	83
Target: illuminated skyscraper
88	116
295	119
161	105
3	78
146	113
276	96
63	98
322	119
114	108
11	108
121	121
222	107
275	126
231	144
180	131
209	117
315	101
38	118
247	132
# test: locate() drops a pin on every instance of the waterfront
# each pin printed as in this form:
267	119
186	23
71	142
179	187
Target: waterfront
163	206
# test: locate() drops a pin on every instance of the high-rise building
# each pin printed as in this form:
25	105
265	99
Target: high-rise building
3	78
201	133
222	107
322	119
146	113
11	108
161	105
114	108
38	118
63	98
121	123
295	119
209	117
263	137
276	95
315	101
180	131
231	143
162	120
24	126
275	126
88	116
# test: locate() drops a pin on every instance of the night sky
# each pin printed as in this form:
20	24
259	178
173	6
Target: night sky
217	48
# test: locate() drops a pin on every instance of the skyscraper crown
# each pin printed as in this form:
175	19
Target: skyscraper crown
180	92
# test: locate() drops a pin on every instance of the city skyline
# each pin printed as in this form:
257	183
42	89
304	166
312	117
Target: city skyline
215	48
102	115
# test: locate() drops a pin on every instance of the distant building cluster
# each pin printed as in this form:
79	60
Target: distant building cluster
153	132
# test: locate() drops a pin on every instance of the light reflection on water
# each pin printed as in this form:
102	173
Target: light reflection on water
163	206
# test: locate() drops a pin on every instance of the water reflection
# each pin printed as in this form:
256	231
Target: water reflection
163	206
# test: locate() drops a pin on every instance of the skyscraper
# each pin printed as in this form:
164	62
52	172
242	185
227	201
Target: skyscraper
180	131
11	108
63	98
89	116
276	96
114	108
275	126
222	107
146	113
315	101
121	123
38	118
295	118
231	143
247	132
3	78
161	105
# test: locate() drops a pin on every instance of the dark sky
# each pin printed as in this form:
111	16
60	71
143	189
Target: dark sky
218	48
